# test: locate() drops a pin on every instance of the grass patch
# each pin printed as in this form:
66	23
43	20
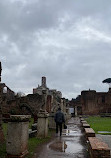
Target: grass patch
3	150
100	124
34	142
5	126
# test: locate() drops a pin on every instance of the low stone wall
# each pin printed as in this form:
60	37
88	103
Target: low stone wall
83	122
89	132
98	149
86	125
82	119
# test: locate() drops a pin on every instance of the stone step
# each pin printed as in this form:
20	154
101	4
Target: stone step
98	149
83	122
32	133
89	132
34	126
86	125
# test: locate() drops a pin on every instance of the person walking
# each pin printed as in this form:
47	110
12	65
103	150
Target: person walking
59	119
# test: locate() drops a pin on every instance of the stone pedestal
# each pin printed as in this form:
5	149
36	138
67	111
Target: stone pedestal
52	124
42	125
75	110
17	136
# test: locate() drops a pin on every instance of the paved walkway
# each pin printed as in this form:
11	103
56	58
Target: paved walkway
105	138
72	144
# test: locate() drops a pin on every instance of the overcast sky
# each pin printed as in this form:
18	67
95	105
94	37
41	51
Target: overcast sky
68	41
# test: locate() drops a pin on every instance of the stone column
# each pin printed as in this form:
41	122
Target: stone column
44	92
68	115
17	136
42	125
75	109
52	124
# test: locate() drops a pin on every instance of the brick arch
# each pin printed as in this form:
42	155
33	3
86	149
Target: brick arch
27	107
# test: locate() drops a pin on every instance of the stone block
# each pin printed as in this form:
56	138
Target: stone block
98	149
20	118
17	136
34	126
83	122
32	133
52	124
42	128
86	125
82	119
89	132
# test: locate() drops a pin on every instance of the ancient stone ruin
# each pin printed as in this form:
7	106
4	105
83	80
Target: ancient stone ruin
91	102
42	105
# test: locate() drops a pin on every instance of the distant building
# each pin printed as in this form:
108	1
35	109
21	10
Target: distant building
91	102
53	97
41	88
95	102
6	92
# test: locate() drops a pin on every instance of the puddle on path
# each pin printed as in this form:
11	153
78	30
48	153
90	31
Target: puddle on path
104	132
66	146
69	143
72	131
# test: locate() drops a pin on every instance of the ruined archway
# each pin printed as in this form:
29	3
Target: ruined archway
26	109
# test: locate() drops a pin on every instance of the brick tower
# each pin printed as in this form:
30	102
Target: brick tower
43	82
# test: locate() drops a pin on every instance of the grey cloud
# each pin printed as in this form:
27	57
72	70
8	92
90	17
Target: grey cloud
66	41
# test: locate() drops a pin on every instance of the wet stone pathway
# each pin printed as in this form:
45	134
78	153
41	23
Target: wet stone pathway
72	144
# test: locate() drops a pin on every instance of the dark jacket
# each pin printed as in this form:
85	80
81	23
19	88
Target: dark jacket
59	117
